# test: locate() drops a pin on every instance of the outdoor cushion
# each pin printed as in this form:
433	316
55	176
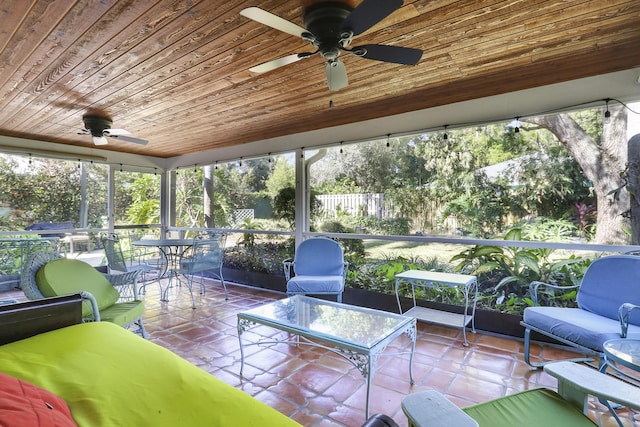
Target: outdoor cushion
530	408
319	256
24	404
608	282
577	326
66	276
111	377
315	283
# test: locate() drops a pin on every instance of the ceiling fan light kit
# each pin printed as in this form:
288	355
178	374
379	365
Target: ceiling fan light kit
330	28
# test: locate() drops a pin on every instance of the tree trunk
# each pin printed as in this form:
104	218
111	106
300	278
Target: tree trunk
604	164
634	187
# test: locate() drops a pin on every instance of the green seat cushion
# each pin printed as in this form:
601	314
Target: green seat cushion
67	276
122	313
537	407
111	377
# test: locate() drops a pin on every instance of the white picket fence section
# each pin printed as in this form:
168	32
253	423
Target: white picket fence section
354	204
426	218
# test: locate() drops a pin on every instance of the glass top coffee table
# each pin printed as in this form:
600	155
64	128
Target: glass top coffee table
358	334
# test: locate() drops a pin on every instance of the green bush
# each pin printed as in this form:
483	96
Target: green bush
351	247
260	257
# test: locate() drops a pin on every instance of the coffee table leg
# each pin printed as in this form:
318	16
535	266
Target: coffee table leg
242	324
412	332
366	412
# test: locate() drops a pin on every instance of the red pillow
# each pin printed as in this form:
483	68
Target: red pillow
25	405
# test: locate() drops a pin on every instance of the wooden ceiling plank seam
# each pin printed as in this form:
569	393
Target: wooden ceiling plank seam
482	79
190	107
19	49
92	70
74	50
143	86
9	11
615	33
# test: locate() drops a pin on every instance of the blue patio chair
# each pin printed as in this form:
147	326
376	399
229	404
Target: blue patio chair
205	257
318	268
607	297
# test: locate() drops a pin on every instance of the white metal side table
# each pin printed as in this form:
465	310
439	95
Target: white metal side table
468	284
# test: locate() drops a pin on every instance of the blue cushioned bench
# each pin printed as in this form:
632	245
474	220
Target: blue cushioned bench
607	298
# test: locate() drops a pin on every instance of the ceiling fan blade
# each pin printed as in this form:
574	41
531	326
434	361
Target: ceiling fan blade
336	75
111	132
369	13
99	140
385	53
130	139
277	63
273	21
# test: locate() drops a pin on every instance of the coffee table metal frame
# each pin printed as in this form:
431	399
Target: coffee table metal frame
314	320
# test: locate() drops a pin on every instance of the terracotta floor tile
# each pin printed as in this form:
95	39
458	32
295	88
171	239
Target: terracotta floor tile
315	377
474	389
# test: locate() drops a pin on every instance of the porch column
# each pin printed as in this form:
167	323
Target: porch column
302	215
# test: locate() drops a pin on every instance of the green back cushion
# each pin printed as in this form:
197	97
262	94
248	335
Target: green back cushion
68	276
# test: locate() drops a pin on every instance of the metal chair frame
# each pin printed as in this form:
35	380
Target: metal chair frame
205	256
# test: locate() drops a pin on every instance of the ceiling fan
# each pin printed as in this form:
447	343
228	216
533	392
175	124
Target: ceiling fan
100	127
330	28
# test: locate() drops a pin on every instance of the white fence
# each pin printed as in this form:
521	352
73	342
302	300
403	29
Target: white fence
354	204
426	218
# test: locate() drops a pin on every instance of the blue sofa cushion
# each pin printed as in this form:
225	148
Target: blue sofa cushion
576	325
609	282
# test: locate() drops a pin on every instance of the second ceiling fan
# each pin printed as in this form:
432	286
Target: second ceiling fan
330	28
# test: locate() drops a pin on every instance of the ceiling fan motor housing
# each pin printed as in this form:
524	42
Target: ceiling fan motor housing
323	20
96	125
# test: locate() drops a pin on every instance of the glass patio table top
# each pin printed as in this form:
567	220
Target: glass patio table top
624	351
348	325
358	334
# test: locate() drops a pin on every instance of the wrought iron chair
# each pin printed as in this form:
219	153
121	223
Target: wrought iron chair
110	298
607	298
205	256
149	270
318	268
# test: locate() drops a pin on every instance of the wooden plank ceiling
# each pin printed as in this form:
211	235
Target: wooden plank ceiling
176	72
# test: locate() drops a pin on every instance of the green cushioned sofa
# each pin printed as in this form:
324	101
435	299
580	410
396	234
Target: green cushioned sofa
110	376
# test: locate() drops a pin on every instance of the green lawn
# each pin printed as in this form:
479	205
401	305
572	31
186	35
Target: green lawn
382	249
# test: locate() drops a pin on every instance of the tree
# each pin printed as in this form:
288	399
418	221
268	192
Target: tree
604	163
145	200
282	176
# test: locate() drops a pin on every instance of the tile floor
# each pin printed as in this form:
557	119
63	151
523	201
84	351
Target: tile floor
317	388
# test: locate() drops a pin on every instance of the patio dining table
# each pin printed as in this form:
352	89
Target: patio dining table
171	250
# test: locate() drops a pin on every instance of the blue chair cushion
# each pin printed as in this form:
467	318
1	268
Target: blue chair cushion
318	284
579	326
609	282
319	257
